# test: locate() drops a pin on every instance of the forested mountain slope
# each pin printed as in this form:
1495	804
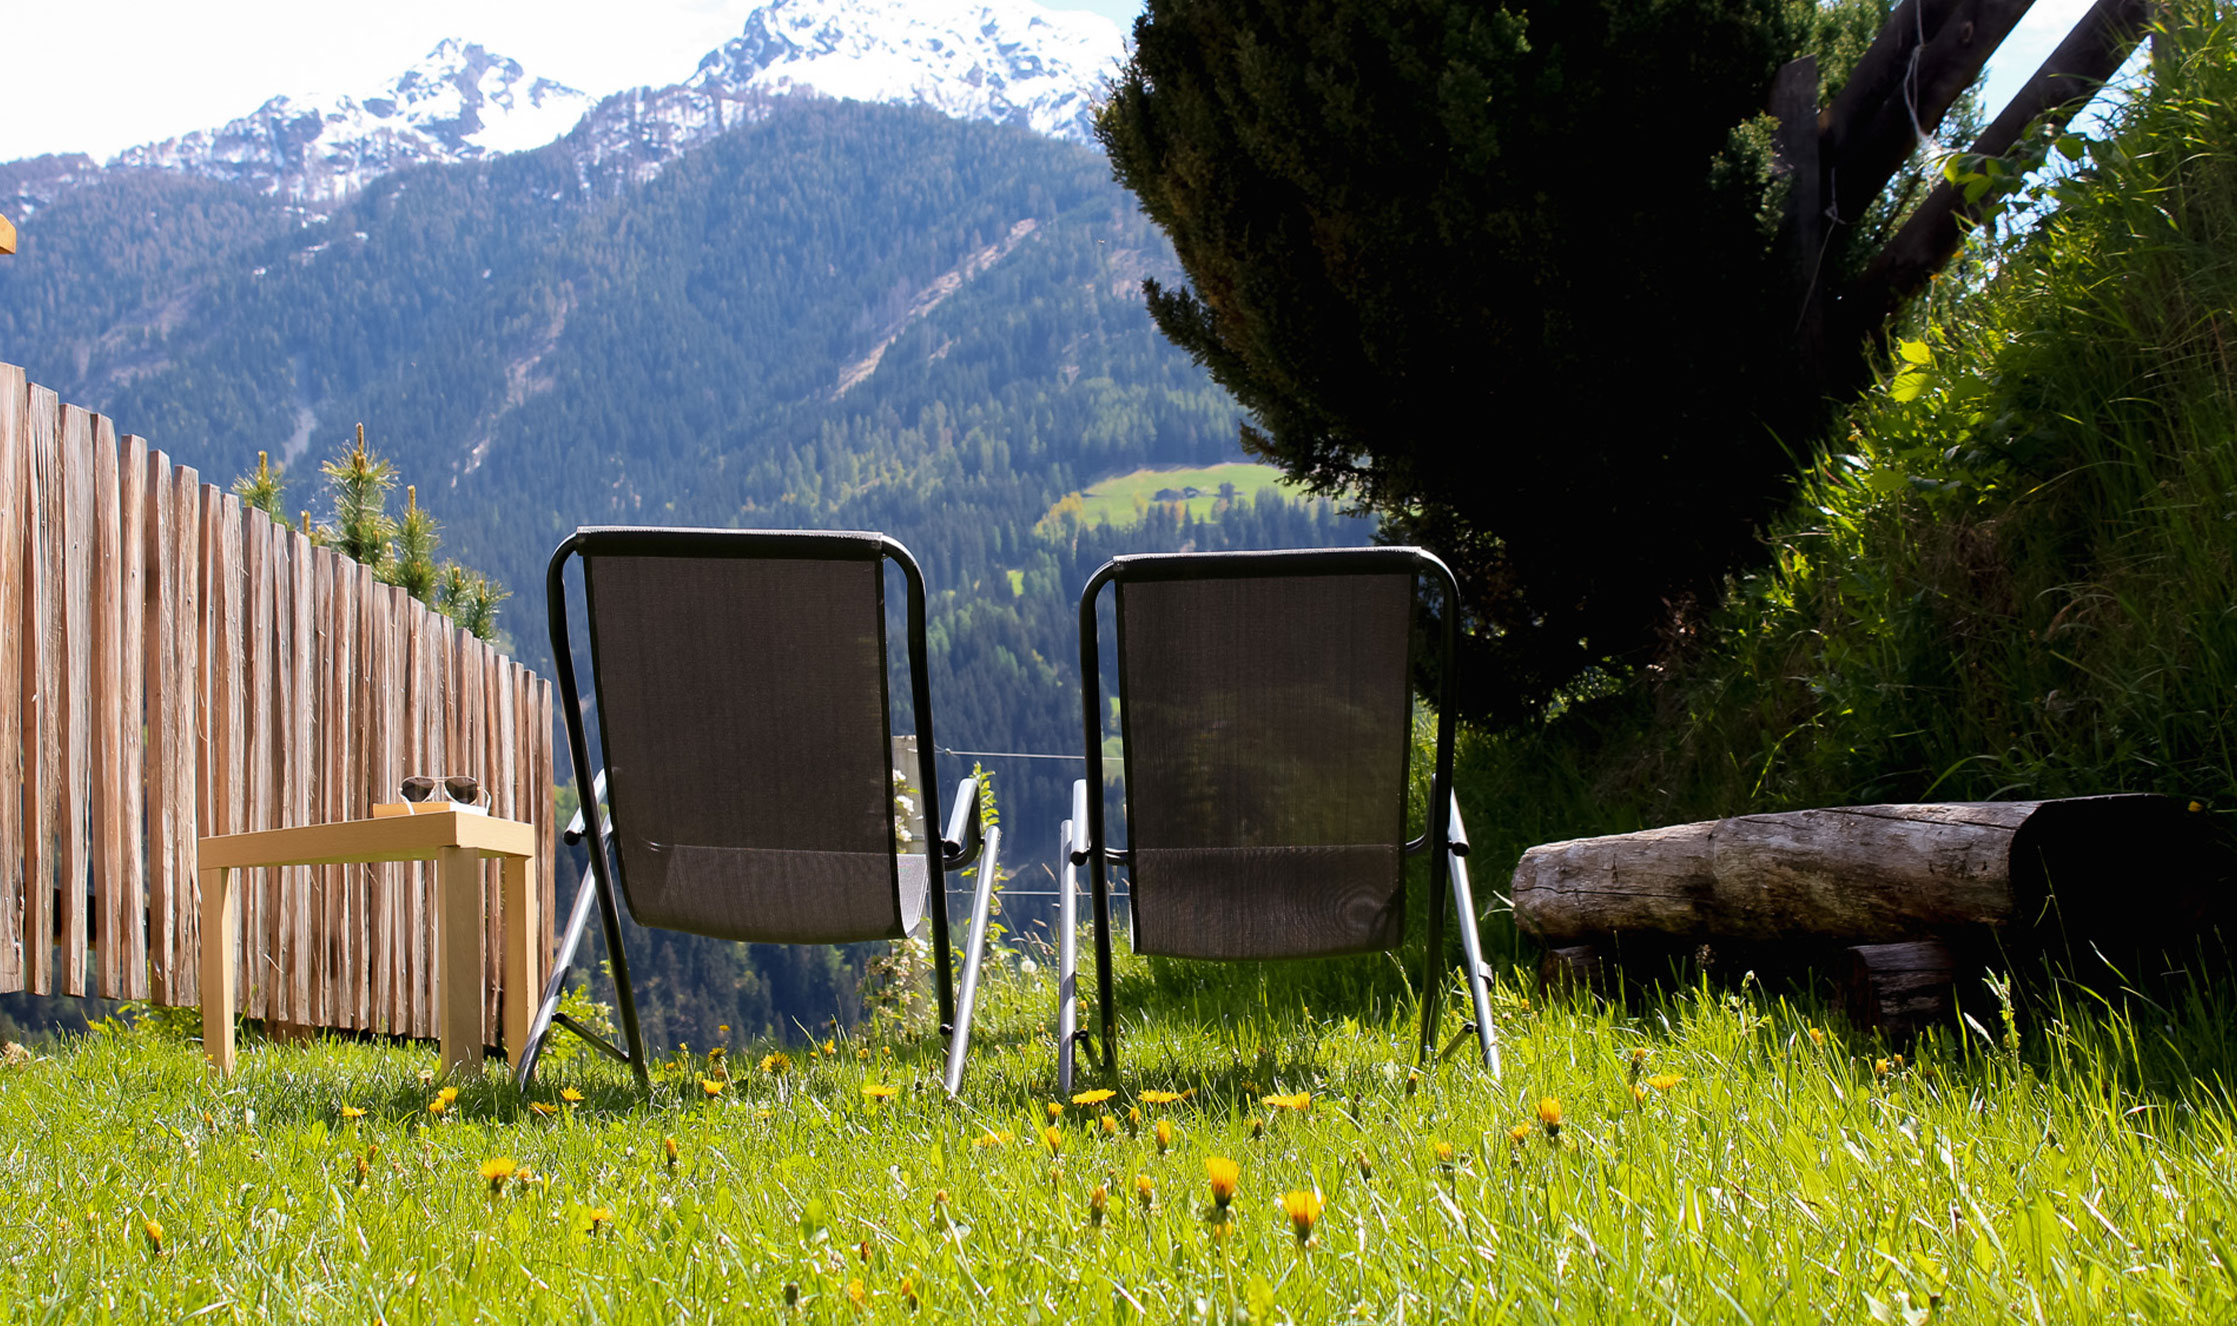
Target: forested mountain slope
839	316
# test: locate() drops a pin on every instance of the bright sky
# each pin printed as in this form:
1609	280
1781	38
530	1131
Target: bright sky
112	73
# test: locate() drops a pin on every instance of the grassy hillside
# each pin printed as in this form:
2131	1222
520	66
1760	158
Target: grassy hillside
1717	1159
1122	499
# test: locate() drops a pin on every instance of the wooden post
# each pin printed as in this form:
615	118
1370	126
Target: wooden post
524	929
221	918
458	965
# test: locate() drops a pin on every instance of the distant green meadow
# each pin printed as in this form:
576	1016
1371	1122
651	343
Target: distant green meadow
1705	1157
1120	500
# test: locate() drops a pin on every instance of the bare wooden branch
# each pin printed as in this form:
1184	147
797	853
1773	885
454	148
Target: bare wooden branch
2065	82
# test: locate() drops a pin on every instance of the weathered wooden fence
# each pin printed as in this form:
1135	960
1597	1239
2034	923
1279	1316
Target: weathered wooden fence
174	665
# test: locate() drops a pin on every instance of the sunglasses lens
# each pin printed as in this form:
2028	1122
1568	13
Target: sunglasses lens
417	789
462	789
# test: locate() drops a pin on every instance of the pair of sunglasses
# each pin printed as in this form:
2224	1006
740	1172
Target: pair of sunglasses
454	787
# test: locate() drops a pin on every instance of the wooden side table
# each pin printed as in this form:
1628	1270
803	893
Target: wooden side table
457	843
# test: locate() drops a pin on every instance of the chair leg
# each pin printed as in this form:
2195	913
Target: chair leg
1067	964
555	989
982	906
1472	951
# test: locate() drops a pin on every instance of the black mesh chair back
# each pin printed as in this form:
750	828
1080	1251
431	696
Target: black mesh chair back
743	710
1266	722
1265	702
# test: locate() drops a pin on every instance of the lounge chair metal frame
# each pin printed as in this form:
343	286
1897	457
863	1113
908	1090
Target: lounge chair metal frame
963	845
1085	841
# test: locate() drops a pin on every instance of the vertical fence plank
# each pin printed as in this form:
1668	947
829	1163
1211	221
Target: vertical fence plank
15	552
184	716
76	855
547	822
42	705
329	922
230	690
104	707
309	1008
159	607
129	915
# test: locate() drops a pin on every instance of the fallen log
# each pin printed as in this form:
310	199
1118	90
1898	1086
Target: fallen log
2113	871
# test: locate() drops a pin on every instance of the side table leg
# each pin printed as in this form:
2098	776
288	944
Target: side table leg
221	942
458	963
524	924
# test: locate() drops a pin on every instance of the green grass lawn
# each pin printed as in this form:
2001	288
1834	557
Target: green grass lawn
1114	499
1717	1160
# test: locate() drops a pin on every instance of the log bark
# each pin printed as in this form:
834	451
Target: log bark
1967	872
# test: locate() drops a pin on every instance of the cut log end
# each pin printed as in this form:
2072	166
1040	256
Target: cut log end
1900	990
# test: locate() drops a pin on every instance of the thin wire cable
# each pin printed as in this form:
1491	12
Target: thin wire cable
1007	754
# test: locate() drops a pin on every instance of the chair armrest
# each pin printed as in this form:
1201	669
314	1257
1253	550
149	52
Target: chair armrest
1079	848
576	828
960	846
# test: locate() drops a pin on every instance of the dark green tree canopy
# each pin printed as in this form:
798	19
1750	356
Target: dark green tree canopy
1507	274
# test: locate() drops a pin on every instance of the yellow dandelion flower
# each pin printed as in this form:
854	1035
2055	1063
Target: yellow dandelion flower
1638	1094
570	1095
991	1139
495	1171
1164	1136
880	1091
153	1228
1639	1054
1052	1137
1145	1191
1899	1063
352	1112
1056	1111
1299	1101
1303	1209
723	1028
1444	1154
542	1109
1097	1199
601	1219
1817	1037
1110	1126
1095	1097
668	1144
1166	1097
1664	1081
857	1294
1519	1134
716	1053
1549	1112
1879	1068
711	1087
438	1107
775	1062
1225	1176
831	1047
1133	1117
449	1095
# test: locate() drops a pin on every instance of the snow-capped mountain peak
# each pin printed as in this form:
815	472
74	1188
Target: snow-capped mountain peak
1009	61
459	103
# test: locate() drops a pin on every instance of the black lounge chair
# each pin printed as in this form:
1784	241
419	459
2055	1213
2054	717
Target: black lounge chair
743	716
1265	702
